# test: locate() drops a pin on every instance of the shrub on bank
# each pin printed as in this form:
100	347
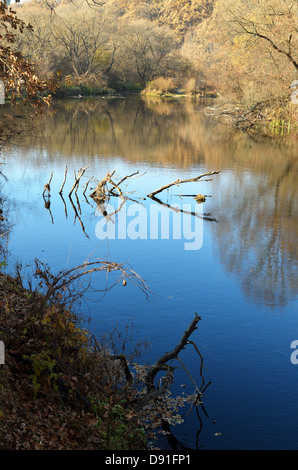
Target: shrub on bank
58	388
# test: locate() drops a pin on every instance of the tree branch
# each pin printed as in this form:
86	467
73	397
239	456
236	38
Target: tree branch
179	181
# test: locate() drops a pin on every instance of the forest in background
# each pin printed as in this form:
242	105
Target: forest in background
247	49
242	52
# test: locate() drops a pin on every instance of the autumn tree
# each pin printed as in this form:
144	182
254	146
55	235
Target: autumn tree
273	22
248	49
16	72
181	15
147	50
79	38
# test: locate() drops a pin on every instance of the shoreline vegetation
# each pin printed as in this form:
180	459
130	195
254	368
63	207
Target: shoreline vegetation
276	117
59	388
241	54
62	388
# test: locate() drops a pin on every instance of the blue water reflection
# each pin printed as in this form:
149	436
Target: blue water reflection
242	281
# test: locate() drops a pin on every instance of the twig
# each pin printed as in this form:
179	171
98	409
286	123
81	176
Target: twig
47	186
61	189
87	184
133	175
77	180
179	181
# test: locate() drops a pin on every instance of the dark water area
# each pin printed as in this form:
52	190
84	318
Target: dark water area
234	262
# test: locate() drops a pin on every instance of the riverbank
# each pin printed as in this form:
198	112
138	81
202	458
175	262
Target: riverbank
59	389
277	117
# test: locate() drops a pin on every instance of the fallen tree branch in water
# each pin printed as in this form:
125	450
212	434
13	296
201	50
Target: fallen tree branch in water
99	193
161	363
179	181
65	174
77	180
87	184
155	399
47	186
64	282
102	192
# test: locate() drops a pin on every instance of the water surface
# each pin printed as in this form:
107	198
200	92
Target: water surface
242	281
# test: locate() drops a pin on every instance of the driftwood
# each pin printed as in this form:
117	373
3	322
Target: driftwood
154	393
179	181
47	186
65	174
109	186
160	364
77	179
102	192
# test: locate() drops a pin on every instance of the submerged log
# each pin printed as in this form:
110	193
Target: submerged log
100	193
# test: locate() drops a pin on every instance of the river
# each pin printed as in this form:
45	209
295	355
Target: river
234	262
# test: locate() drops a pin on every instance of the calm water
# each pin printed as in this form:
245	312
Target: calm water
242	281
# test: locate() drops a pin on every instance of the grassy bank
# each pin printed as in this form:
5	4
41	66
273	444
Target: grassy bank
169	88
90	88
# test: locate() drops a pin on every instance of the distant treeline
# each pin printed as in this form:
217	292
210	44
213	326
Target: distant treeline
245	50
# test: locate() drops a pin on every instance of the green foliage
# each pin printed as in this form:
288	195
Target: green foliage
117	423
3	264
42	363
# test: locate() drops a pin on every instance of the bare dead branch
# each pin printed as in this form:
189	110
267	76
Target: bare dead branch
65	174
133	175
179	181
47	186
77	180
160	364
100	193
87	184
65	279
